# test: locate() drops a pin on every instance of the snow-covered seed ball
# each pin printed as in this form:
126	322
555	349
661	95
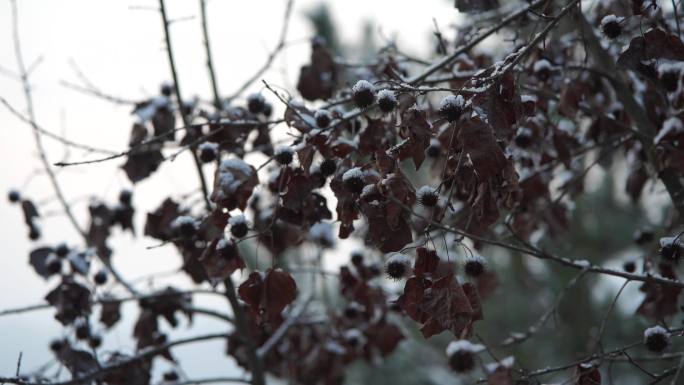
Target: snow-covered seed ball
125	197
171	376
208	151
542	69
523	138
670	75
268	109
57	345
610	25
354	338
256	103
398	266
387	101
474	266
284	155
669	80
82	330
353	179
226	249
363	93
427	196
184	226
13	196
95	341
452	107
323	118
328	167
629	266
656	339
352	310
357	258
100	277
462	355
62	250
434	149
53	264
166	89
238	226
669	250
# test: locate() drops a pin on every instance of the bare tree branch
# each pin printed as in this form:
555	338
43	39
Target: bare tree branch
271	56
179	101
43	156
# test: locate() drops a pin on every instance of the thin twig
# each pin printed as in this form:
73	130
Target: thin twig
179	101
283	328
142	355
97	93
43	156
438	65
207	50
271	56
532	330
51	135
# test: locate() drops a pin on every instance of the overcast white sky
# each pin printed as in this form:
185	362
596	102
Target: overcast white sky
120	50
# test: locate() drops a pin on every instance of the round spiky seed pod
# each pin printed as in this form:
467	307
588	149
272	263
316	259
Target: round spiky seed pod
323	118
363	93
629	266
166	89
643	236
462	355
353	310
256	103
542	69
328	167
185	226
208	151
53	264
126	197
353	179
669	249
474	266
670	75
95	341
100	277
13	196
171	376
357	258
523	138
434	149
62	250
398	266
610	26
452	107
82	330
387	101
284	155
57	345
238	226
427	196
656	339
354	338
267	110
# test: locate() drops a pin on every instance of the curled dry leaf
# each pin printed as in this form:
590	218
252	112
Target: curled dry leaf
71	300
